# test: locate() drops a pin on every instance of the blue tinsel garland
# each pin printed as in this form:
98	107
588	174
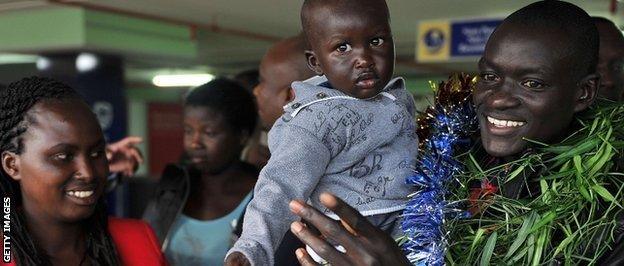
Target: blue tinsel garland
448	126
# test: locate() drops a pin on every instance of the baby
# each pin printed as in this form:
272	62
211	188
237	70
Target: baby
350	131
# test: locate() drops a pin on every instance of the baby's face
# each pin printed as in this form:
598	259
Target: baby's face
354	51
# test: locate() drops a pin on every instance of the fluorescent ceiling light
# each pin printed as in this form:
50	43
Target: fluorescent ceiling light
17	59
182	80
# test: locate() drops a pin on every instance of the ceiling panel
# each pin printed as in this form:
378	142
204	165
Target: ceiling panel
248	27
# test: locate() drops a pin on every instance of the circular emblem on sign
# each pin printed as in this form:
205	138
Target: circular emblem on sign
104	113
434	40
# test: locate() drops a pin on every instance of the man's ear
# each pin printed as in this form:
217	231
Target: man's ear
10	164
291	95
588	87
245	135
313	63
285	96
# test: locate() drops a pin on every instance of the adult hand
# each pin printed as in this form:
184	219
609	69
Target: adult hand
236	259
123	156
364	243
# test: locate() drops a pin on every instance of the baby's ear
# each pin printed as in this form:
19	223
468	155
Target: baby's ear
586	94
313	62
10	165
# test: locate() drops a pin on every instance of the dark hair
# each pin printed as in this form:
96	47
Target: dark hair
15	102
229	99
583	39
248	79
363	7
603	20
610	29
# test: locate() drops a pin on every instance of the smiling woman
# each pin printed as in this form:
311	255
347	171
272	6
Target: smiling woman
54	169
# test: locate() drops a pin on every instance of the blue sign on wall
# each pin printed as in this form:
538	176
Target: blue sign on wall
469	37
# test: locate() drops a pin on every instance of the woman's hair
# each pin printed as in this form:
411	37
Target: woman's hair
248	79
15	102
229	99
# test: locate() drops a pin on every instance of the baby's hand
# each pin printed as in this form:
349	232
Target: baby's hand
237	259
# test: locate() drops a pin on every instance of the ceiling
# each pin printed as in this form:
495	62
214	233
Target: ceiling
234	34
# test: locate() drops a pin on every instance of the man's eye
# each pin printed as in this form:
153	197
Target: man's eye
532	84
377	41
62	157
96	154
489	77
344	47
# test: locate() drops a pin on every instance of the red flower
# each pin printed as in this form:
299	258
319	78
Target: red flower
481	197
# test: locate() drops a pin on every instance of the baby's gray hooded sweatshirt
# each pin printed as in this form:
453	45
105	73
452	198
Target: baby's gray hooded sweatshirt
361	150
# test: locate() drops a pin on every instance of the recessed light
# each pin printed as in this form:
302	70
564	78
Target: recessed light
86	62
182	80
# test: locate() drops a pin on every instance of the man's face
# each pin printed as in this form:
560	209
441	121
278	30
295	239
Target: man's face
526	90
272	93
611	62
354	51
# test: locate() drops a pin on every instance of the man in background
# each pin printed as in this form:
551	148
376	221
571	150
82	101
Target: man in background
611	60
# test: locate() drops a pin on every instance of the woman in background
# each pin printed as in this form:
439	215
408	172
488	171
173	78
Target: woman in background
197	205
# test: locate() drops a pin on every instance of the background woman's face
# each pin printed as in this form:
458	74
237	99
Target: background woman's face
62	169
209	141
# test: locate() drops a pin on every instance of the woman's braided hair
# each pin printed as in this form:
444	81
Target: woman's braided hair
15	102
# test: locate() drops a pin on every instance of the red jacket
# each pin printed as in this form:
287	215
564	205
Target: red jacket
135	242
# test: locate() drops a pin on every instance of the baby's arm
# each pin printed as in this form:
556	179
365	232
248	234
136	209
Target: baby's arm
298	160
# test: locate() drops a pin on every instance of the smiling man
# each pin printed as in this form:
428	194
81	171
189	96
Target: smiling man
536	73
538	82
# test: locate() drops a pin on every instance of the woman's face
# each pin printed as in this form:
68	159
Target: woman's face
62	169
209	141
